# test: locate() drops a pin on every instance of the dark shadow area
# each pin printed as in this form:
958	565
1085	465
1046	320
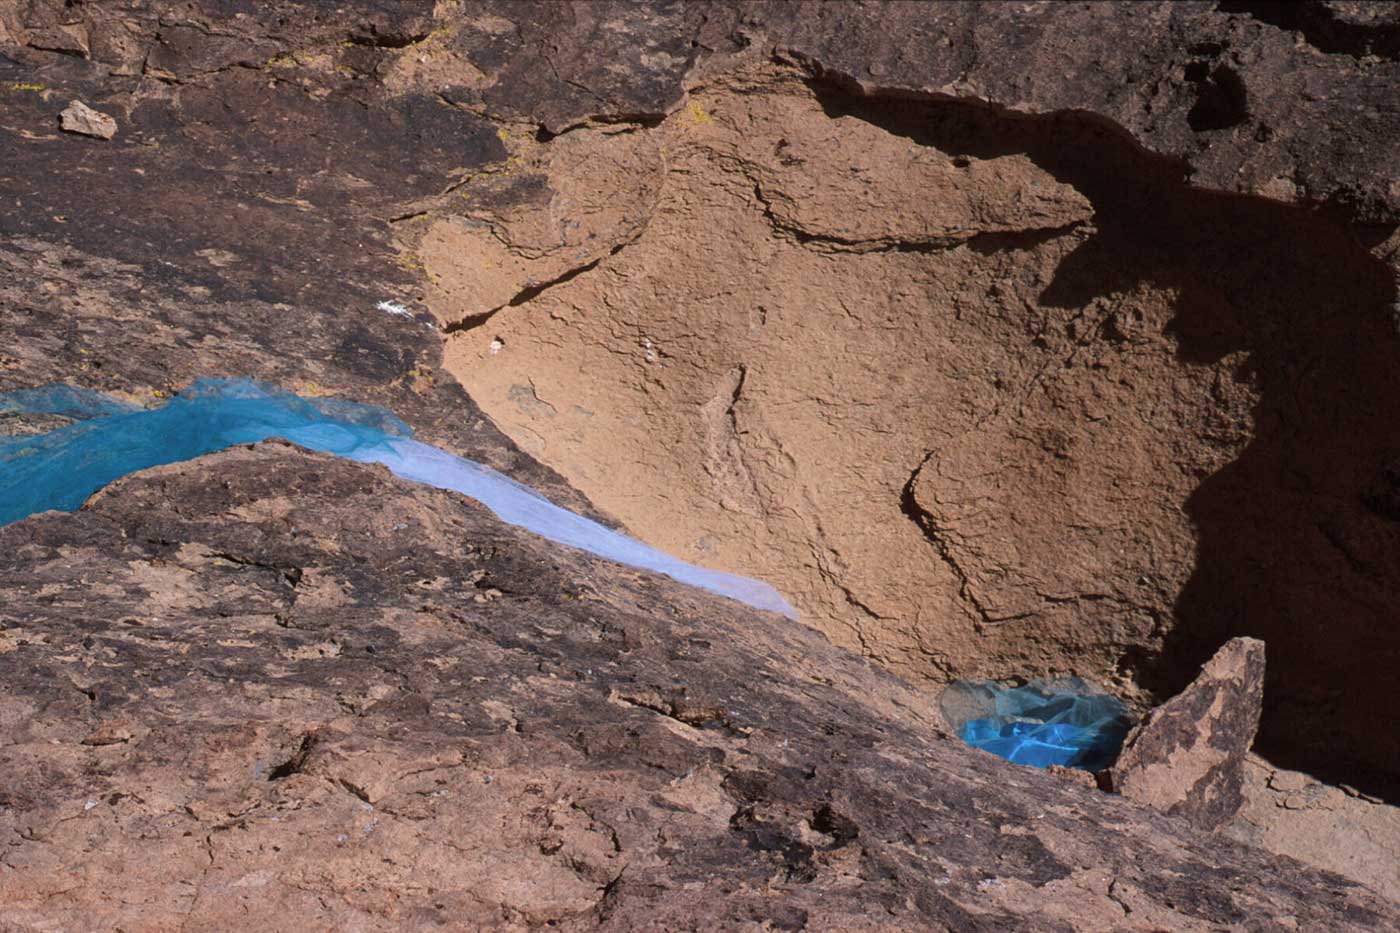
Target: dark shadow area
1281	13
1298	541
1326	29
1220	97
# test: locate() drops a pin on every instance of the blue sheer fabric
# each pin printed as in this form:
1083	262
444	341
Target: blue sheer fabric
60	469
1063	722
69	401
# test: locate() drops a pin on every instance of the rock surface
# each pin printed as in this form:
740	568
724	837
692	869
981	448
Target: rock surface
1041	445
1187	757
1338	829
1246	97
79	118
1078	413
305	689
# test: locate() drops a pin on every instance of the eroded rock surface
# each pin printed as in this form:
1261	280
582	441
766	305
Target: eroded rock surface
950	320
1030	416
1188	756
1338	829
314	691
996	395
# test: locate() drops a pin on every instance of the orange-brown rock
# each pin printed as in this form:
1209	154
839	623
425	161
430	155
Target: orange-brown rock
1187	757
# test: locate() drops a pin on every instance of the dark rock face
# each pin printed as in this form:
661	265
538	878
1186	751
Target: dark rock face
1187	758
1235	96
269	684
560	65
271	688
1279	100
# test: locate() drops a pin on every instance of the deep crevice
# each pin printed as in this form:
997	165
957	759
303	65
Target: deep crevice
296	763
1221	101
526	295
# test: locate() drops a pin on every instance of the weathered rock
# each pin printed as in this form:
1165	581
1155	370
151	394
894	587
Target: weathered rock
1107	418
79	118
1187	757
1022	436
847	183
1241	98
1333	828
274	688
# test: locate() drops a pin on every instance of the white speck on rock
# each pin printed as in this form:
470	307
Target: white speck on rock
394	307
89	805
496	344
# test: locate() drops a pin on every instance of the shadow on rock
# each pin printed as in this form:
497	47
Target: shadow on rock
1297	532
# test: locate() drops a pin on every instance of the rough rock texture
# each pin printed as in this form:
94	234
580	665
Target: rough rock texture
1008	339
1247	97
1187	757
1338	829
313	691
1066	438
79	118
1014	428
99	322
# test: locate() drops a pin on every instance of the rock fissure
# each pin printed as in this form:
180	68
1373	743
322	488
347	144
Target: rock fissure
290	575
525	295
985	240
910	507
391	41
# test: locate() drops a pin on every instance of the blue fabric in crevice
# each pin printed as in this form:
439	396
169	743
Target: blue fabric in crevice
60	469
70	401
1063	722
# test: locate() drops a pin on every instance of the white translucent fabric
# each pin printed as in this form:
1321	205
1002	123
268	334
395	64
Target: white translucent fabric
522	506
60	469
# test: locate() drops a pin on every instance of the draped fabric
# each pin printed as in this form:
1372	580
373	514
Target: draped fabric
60	469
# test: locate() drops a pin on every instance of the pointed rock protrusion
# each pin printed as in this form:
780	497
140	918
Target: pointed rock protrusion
1187	756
